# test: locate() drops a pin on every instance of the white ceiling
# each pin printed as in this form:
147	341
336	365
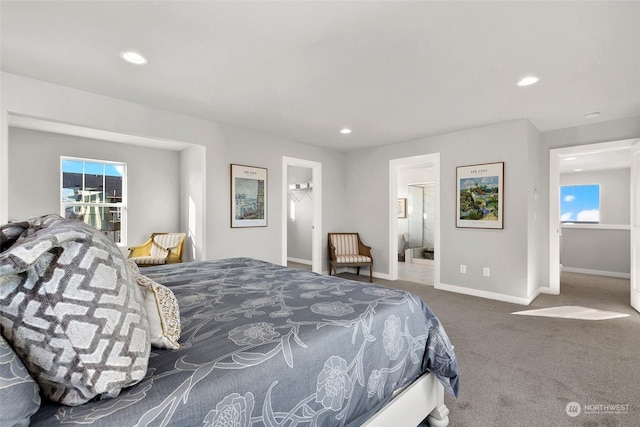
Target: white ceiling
590	160
391	71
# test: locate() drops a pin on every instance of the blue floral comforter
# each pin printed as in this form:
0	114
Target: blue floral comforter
265	345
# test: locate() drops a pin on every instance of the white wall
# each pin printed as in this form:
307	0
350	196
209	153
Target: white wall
223	145
594	248
428	210
362	175
152	178
193	193
476	248
257	149
537	259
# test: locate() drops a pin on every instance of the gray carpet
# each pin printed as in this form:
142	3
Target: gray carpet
524	371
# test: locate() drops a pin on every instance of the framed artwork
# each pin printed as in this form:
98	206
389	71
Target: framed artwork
402	208
248	196
480	193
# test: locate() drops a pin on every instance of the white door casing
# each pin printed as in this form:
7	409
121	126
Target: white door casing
635	226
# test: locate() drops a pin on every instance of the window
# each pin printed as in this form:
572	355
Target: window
580	203
94	191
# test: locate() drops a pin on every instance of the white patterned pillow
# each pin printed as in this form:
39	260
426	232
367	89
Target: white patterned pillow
163	312
71	309
133	266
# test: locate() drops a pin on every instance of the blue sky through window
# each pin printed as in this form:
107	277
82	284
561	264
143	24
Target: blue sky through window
91	168
580	203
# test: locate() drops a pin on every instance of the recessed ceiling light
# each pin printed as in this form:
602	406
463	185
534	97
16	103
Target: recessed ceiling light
133	57
345	131
526	81
577	170
592	115
569	158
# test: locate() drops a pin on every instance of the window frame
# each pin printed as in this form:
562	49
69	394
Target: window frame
599	221
121	205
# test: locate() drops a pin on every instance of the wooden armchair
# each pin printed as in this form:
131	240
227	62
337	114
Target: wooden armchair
160	248
347	250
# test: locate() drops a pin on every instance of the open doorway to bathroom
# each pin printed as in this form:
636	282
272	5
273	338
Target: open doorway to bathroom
416	225
414	255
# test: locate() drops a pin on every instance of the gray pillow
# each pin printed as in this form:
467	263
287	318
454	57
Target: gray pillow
71	309
19	393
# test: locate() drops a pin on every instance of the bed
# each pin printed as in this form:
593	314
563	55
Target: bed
267	345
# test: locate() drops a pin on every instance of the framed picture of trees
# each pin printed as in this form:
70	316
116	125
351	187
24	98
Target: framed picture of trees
480	193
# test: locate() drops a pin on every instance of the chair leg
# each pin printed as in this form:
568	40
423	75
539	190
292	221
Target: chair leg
358	270
371	273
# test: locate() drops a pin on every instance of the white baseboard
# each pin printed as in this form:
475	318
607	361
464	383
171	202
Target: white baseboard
597	272
487	294
547	290
380	275
364	271
300	261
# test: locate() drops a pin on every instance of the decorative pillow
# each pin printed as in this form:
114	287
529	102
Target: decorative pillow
71	309
163	312
133	266
19	393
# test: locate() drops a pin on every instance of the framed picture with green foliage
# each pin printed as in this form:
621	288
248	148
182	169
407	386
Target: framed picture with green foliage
480	193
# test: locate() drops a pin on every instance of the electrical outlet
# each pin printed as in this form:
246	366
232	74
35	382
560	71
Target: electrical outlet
463	269
486	272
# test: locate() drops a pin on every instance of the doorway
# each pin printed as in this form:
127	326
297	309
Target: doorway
423	172
415	231
299	217
578	160
302	213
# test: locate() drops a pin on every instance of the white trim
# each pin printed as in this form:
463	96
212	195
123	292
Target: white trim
634	216
597	272
426	160
598	226
316	194
423	398
489	295
300	260
4	165
381	276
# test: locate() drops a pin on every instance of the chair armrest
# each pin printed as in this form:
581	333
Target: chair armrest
332	251
140	250
364	249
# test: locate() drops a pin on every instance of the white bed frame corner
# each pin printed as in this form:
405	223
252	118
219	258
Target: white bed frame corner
424	398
